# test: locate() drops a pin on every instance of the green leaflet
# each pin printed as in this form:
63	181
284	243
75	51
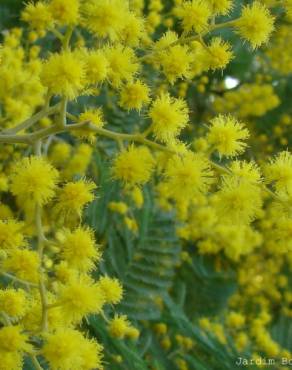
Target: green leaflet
220	357
146	266
128	351
145	263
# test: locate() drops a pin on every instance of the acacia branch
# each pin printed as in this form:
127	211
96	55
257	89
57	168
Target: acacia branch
32	120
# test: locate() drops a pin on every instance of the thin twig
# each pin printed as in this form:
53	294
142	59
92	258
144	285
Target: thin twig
35	362
32	120
17	280
40	245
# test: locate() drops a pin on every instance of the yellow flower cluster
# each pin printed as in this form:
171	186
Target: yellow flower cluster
280	52
115	62
249	100
72	293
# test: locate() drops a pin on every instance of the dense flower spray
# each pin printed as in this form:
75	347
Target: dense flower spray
114	81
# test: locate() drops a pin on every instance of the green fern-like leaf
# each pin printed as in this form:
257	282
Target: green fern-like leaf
144	263
151	270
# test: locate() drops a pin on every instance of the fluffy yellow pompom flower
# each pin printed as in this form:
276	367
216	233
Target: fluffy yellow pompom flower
64	272
122	64
168	38
169	116
96	66
11	361
78	248
187	175
112	289
221	7
133	30
11	236
247	171
118	326
13	340
134	165
227	135
37	15
279	171
96	118
80	298
34	180
24	264
75	195
238	200
134	95
92	355
201	58
176	62
255	24
220	53
65	11
195	15
64	74
106	18
68	349
13	302
13	345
